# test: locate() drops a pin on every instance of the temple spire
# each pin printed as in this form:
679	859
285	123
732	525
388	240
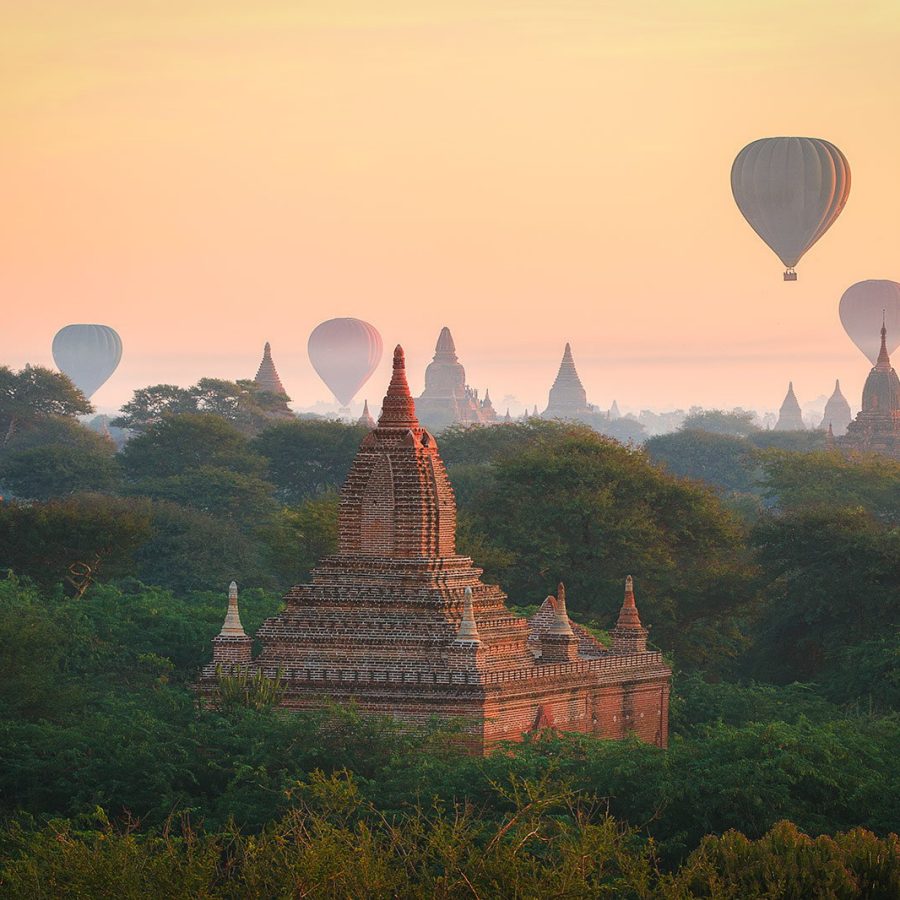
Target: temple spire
883	363
468	630
398	409
366	418
267	375
232	626
629	636
232	644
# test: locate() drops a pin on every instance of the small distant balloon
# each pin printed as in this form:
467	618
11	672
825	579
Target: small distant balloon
344	353
791	190
88	354
861	310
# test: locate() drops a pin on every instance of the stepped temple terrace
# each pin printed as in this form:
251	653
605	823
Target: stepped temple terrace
401	625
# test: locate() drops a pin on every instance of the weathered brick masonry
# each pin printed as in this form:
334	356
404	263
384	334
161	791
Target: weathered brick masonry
400	624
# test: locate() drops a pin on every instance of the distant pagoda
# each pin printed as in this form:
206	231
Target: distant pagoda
366	418
267	380
789	416
568	398
447	399
876	428
398	623
837	412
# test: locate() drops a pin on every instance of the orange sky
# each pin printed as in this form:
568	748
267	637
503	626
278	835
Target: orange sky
205	175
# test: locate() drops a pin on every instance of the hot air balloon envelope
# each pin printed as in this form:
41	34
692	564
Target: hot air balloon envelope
861	310
790	190
345	353
88	354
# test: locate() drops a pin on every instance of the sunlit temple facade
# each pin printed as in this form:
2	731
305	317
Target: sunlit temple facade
401	625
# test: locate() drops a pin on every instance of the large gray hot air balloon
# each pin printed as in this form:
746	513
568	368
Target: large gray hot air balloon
790	190
864	307
345	352
88	354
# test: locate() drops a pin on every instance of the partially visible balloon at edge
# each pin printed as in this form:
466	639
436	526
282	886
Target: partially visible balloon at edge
790	190
88	354
344	352
861	309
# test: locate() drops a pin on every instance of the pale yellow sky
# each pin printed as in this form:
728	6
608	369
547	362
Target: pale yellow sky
205	176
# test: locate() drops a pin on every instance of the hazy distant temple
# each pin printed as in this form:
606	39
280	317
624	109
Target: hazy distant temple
876	428
837	415
267	379
568	398
397	622
789	416
447	399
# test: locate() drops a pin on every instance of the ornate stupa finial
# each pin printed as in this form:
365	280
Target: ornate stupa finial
232	644
468	630
398	409
883	363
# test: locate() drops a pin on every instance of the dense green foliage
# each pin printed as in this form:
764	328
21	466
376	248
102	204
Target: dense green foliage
770	577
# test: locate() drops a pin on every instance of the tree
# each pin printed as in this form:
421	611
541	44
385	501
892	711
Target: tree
74	541
830	579
307	457
150	405
724	461
242	403
300	536
57	456
583	509
794	481
179	444
737	422
42	473
189	550
34	394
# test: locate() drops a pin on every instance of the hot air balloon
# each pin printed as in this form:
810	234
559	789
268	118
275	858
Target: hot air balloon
863	308
88	354
345	353
790	190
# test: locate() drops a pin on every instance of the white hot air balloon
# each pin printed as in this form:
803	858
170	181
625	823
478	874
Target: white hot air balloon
88	354
790	190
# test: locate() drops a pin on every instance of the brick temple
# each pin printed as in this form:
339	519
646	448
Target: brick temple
400	624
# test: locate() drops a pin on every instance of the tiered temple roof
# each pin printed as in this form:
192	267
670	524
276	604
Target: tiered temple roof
267	380
398	622
568	398
789	416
